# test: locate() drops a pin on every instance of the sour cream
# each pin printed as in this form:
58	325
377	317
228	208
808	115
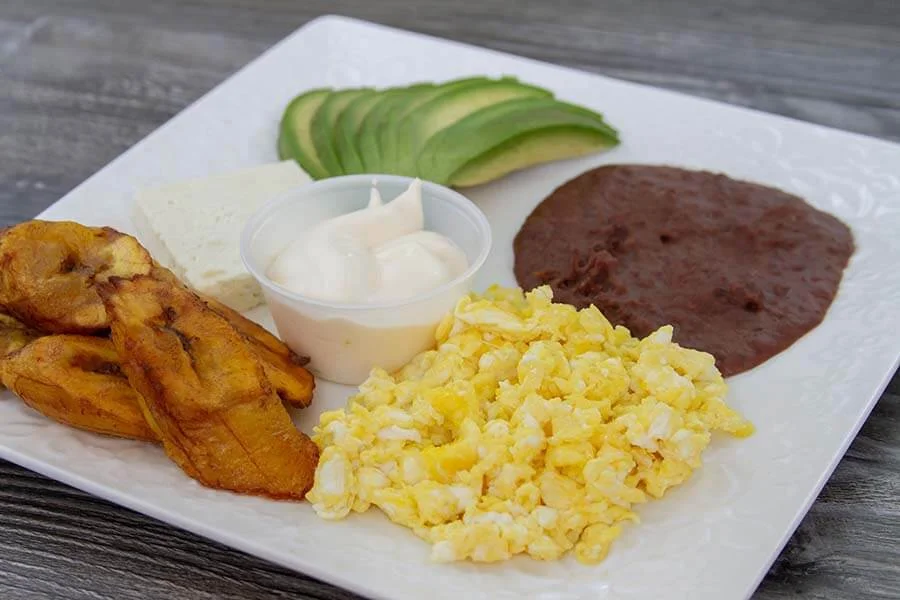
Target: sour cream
376	255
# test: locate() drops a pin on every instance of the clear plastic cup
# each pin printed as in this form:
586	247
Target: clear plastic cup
345	341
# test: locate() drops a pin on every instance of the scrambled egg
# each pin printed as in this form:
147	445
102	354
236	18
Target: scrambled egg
532	428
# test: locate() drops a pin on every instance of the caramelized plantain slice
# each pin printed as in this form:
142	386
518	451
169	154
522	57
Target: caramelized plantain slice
14	335
284	368
77	380
48	271
205	392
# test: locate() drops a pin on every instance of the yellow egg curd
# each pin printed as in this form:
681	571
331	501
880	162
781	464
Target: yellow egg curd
532	428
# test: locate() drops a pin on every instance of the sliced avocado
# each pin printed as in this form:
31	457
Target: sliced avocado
348	125
284	153
295	137
375	148
412	95
547	145
405	106
509	136
452	103
368	142
324	125
379	140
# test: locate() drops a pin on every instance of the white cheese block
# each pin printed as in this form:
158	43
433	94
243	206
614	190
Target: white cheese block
194	227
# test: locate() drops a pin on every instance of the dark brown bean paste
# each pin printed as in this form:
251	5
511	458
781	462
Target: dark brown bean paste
740	270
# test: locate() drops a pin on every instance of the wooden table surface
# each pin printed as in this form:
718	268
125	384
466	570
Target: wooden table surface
82	80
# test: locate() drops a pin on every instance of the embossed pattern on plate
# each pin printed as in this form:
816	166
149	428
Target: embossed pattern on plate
714	537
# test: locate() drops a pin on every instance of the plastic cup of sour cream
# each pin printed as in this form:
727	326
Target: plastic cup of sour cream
345	341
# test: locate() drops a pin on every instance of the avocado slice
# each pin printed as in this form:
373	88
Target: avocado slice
455	100
403	108
509	136
284	153
373	140
400	104
378	140
324	125
295	138
347	129
547	145
368	142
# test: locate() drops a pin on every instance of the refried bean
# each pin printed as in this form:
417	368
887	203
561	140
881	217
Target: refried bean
740	270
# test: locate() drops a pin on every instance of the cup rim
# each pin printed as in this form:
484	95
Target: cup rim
440	192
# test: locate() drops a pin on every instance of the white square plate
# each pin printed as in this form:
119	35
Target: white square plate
712	538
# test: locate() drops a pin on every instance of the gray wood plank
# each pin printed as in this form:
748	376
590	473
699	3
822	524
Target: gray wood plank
82	80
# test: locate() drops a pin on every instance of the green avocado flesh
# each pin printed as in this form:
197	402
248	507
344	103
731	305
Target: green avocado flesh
295	138
400	105
348	125
323	127
284	152
509	136
463	132
547	145
368	139
396	136
455	101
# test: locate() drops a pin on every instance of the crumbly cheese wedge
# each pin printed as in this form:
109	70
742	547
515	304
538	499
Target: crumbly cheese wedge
194	227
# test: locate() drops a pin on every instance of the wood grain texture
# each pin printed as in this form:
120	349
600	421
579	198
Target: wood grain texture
82	80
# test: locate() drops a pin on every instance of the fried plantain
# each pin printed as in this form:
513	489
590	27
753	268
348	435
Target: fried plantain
284	368
48	270
77	380
204	392
14	335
